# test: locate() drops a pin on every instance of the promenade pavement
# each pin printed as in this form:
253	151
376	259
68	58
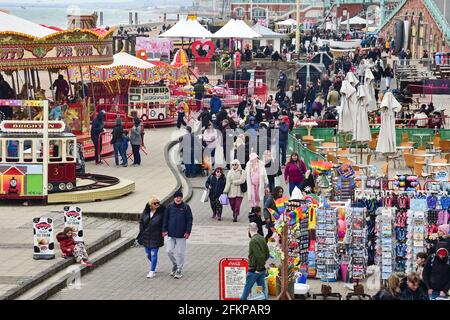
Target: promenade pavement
153	177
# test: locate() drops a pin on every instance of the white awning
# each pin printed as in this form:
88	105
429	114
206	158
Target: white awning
357	20
187	28
236	29
288	22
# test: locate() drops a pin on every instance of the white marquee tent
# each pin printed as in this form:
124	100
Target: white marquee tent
187	28
357	20
236	29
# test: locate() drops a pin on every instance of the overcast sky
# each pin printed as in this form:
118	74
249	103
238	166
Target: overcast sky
74	2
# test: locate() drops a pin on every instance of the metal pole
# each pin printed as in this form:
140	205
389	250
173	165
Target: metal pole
51	85
68	80
45	149
297	30
92	88
14	85
25	74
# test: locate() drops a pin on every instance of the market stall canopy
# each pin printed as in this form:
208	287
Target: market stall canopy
266	32
288	22
357	20
26	45
187	28
236	29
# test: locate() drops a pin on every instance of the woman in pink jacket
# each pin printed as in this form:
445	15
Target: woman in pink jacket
294	173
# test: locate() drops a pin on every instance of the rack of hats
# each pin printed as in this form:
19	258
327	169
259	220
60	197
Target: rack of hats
327	243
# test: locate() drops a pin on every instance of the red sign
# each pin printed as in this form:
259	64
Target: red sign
232	275
237	59
43	225
30	126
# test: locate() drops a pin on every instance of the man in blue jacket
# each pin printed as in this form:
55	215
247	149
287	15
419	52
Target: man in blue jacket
215	104
177	225
96	130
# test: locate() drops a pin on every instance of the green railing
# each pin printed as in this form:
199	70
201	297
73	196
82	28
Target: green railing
392	14
295	145
440	19
329	134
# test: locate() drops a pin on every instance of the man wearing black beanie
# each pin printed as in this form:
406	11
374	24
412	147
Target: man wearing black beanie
177	225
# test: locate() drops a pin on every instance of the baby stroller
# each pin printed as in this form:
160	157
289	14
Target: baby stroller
200	168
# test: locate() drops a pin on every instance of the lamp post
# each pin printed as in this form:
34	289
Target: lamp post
297	30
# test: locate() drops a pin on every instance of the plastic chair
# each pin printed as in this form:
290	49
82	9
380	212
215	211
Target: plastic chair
409	161
445	145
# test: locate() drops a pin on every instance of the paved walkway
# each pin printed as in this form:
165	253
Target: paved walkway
153	177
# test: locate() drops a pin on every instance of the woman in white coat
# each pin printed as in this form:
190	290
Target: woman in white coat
257	181
235	178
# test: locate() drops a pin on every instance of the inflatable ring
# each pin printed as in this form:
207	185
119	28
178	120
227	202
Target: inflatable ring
142	54
225	61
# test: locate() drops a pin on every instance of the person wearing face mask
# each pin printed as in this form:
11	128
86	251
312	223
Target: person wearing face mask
216	184
436	274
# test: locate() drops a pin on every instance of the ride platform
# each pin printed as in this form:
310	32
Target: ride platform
89	152
91	188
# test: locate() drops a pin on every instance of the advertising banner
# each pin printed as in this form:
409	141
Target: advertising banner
44	240
73	218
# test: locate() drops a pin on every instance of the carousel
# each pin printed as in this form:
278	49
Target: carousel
132	86
32	56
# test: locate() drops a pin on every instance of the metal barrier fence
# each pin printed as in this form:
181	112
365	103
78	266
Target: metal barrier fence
104	146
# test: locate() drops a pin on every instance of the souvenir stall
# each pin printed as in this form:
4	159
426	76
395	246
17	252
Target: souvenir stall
32	55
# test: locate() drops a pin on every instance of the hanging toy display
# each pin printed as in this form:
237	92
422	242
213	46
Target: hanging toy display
225	61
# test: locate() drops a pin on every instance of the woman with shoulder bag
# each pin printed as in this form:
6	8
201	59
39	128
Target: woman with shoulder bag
216	184
236	187
136	141
150	232
294	173
116	141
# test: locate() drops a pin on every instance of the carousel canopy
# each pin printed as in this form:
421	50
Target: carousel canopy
236	29
124	59
187	28
26	45
10	23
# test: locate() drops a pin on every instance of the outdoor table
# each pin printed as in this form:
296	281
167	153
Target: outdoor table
404	148
309	126
319	140
438	165
421	135
364	167
335	149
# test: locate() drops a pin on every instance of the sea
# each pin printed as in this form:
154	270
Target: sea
111	17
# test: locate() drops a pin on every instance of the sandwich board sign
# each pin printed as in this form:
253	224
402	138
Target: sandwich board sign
73	217
44	241
232	275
